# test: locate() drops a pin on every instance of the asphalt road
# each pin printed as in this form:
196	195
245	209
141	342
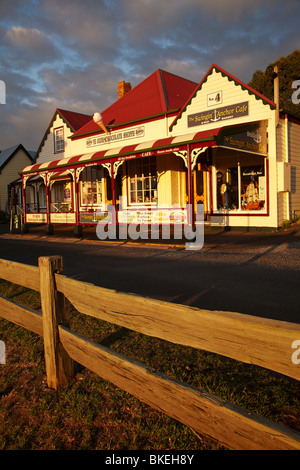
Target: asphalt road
252	273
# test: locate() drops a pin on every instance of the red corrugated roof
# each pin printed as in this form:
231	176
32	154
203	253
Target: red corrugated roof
157	94
74	120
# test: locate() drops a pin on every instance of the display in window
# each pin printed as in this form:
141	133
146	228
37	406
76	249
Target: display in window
227	189
253	188
91	186
142	181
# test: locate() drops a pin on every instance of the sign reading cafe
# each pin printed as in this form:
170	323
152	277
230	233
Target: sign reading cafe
219	114
117	136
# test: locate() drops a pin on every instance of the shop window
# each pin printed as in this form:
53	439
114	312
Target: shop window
59	143
31	204
91	186
227	188
253	187
61	196
42	197
142	180
241	182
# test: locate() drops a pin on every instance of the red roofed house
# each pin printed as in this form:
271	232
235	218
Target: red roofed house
168	142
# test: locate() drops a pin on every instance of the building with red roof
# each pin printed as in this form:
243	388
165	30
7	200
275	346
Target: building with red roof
217	145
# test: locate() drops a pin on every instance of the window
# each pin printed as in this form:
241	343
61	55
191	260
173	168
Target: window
59	143
92	186
241	182
42	197
142	180
61	196
253	187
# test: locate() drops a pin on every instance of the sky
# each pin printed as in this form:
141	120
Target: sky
71	54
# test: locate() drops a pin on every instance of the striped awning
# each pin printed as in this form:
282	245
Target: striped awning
155	147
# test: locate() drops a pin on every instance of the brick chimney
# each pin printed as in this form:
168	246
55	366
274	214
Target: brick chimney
123	88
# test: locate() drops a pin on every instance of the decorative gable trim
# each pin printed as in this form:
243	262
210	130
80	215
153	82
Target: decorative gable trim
57	113
60	113
230	77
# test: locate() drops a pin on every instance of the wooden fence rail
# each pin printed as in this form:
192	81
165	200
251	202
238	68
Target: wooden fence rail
264	342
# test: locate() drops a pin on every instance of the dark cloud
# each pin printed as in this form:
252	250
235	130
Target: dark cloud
72	54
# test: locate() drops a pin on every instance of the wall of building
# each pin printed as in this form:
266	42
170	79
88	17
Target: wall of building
230	94
10	173
294	160
132	135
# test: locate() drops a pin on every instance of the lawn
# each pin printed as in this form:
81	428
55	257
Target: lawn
92	414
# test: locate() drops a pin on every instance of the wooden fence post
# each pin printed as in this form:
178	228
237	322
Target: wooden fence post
59	365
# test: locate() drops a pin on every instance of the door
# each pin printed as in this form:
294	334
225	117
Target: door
200	187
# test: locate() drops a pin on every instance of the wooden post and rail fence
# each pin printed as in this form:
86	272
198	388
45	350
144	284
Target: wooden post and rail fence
253	340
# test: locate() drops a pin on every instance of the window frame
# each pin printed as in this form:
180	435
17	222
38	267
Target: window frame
241	163
99	185
61	147
140	181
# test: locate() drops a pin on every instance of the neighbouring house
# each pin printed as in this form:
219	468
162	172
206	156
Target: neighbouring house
168	143
12	161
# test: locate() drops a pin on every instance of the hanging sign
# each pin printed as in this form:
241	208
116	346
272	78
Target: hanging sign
95	218
63	218
251	139
219	114
36	218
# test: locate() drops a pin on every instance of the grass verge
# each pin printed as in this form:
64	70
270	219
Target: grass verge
93	414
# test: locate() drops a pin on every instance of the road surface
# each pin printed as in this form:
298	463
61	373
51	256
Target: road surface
255	274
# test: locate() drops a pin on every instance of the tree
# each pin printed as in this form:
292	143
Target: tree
288	72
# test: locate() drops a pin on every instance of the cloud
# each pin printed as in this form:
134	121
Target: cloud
29	46
72	54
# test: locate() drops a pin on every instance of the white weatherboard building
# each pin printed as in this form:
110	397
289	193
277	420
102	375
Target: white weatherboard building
169	142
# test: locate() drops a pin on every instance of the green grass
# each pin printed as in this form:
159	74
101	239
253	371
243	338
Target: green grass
94	414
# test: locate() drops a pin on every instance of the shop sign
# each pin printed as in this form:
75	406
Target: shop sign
219	114
36	218
116	137
95	218
151	153
153	216
214	99
252	139
63	218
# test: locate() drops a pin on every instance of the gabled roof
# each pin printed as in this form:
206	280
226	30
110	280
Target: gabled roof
230	77
161	92
72	119
7	154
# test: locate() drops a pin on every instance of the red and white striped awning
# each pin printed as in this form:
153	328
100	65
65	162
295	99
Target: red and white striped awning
155	147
